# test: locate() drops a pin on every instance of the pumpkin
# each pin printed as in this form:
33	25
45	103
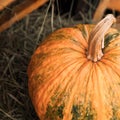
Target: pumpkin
75	73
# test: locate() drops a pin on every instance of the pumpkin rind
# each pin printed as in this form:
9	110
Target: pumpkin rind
65	85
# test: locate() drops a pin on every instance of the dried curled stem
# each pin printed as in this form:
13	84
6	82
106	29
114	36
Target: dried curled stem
96	39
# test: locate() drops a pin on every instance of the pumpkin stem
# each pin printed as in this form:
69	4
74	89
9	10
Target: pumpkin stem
96	39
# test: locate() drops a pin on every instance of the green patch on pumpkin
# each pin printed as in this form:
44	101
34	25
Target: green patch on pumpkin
116	112
79	112
54	112
76	112
82	29
110	37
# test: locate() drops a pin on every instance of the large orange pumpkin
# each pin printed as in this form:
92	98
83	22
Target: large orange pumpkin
75	73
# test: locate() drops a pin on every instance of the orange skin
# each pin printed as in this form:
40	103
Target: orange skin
60	74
